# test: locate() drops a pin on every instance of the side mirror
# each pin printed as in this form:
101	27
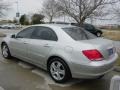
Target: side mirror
13	36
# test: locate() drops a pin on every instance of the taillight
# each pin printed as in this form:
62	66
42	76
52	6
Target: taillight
93	55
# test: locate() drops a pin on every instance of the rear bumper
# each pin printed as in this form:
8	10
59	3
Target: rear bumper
93	69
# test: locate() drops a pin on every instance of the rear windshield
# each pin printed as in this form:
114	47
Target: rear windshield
78	33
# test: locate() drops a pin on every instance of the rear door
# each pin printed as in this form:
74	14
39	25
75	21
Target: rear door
43	41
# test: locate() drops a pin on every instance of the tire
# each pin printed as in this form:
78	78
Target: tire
100	77
98	34
59	70
5	51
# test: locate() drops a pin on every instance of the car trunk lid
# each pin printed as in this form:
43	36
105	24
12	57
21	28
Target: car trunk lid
104	46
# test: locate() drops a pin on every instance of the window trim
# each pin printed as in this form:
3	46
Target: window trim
44	39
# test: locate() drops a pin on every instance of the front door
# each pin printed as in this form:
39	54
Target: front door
19	45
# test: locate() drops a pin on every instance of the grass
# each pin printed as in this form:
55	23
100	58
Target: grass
118	61
112	34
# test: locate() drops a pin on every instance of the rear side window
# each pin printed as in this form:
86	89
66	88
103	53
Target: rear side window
77	33
44	33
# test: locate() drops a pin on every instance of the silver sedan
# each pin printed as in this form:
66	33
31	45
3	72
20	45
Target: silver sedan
64	51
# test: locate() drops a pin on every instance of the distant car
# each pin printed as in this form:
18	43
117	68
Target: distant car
8	26
4	26
65	23
12	26
65	51
91	29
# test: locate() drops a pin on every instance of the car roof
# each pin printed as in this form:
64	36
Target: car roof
55	25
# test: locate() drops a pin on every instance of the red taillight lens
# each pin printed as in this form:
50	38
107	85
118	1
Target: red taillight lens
93	55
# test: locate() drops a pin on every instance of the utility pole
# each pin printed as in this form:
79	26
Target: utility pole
91	20
64	18
17	13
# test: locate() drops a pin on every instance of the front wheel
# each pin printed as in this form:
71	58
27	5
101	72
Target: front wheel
5	51
59	70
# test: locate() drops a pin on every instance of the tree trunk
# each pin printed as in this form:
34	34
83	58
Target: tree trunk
82	21
51	18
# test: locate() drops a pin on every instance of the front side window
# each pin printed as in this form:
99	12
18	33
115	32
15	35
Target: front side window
26	33
44	33
77	33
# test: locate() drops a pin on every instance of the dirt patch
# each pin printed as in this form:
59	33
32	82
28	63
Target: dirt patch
113	35
2	34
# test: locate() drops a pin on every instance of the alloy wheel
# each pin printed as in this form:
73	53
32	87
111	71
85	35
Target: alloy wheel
57	70
5	51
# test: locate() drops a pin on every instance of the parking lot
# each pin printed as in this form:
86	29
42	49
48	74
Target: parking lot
17	75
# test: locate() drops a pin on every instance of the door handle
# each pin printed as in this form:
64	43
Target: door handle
25	43
47	45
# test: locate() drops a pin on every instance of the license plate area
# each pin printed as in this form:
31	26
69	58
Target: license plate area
110	51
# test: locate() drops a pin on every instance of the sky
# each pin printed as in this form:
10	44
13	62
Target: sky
33	6
24	7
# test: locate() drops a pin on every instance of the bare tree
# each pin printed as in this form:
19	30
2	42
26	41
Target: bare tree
50	9
116	11
80	10
3	7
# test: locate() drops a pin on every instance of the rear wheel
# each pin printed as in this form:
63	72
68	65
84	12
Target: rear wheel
99	34
5	51
59	70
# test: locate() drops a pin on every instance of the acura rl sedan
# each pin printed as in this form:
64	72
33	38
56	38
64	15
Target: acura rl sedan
65	51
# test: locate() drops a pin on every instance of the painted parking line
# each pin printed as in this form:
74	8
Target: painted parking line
1	88
46	76
49	81
25	65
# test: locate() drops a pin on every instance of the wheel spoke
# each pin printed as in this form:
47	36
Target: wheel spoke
59	65
62	72
54	66
58	76
52	70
